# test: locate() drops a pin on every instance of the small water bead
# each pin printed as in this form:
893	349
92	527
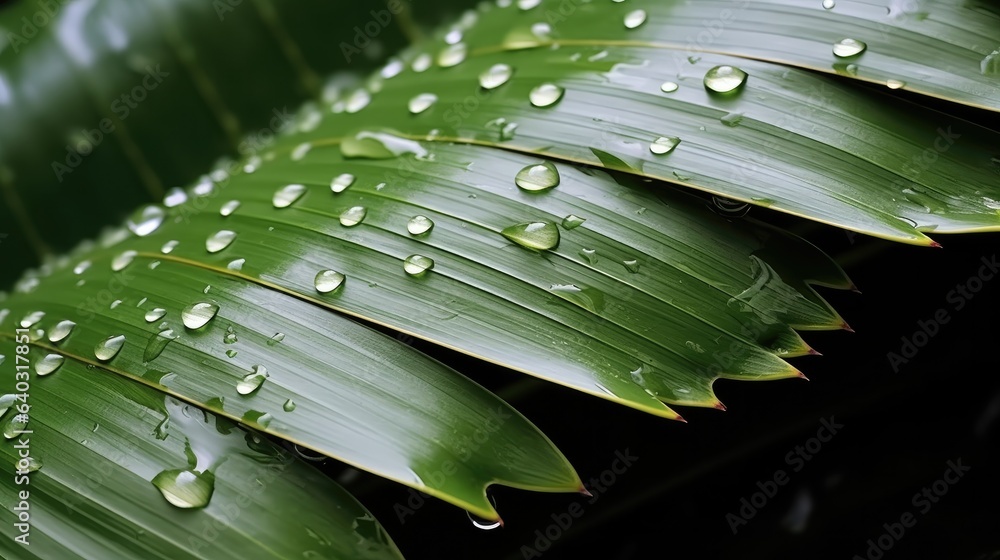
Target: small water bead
590	255
419	225
895	84
62	330
664	145
175	197
421	102
846	48
631	265
197	315
153	265
328	280
542	30
668	87
528	4
31	319
108	348
732	119
353	216
49	364
185	489
417	265
829	4
288	195
572	222
146	220
169	246
229	207
546	95
990	65
452	55
252	381
155	314
115	304
81	267
422	62
230	336
341	182
537	177
236	265
289	405
541	236
157	343
231	353
220	240
725	79
276	339
357	101
123	260
14	426
695	346
495	76
635	18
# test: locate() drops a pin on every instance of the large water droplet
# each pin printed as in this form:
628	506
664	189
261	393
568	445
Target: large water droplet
668	87
664	145
175	197
122	260
417	265
452	55
895	84
146	220
586	297
197	315
229	207
537	177
220	240
62	330
49	364
155	314
546	95
635	18
421	102
631	265
156	344
341	182
495	76
422	62
108	348
287	195
846	48
15	425
380	145
419	225
572	222
353	216
328	281
31	319
725	79
185	488
533	235
357	101
252	381
829	4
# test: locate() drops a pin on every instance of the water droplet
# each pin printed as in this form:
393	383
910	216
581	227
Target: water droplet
62	330
732	119
146	220
229	207
353	216
31	319
528	4
421	102
252	381
115	304
300	151
695	346
419	225
664	145
895	84
846	48
358	100
220	240
533	235
829	4
231	353
417	265
122	260
392	68
635	18
452	55
538	177
81	267
169	246
495	76
631	265
49	364
341	182
230	336
187	488
15	425
108	348
156	344
197	315
287	195
155	314
590	255
288	406
175	197
546	95
421	63
572	222
380	145
328	281
276	339
236	265
990	65
725	79
591	299
668	87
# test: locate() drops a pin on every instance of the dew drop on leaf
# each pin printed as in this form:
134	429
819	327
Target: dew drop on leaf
197	315
108	348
